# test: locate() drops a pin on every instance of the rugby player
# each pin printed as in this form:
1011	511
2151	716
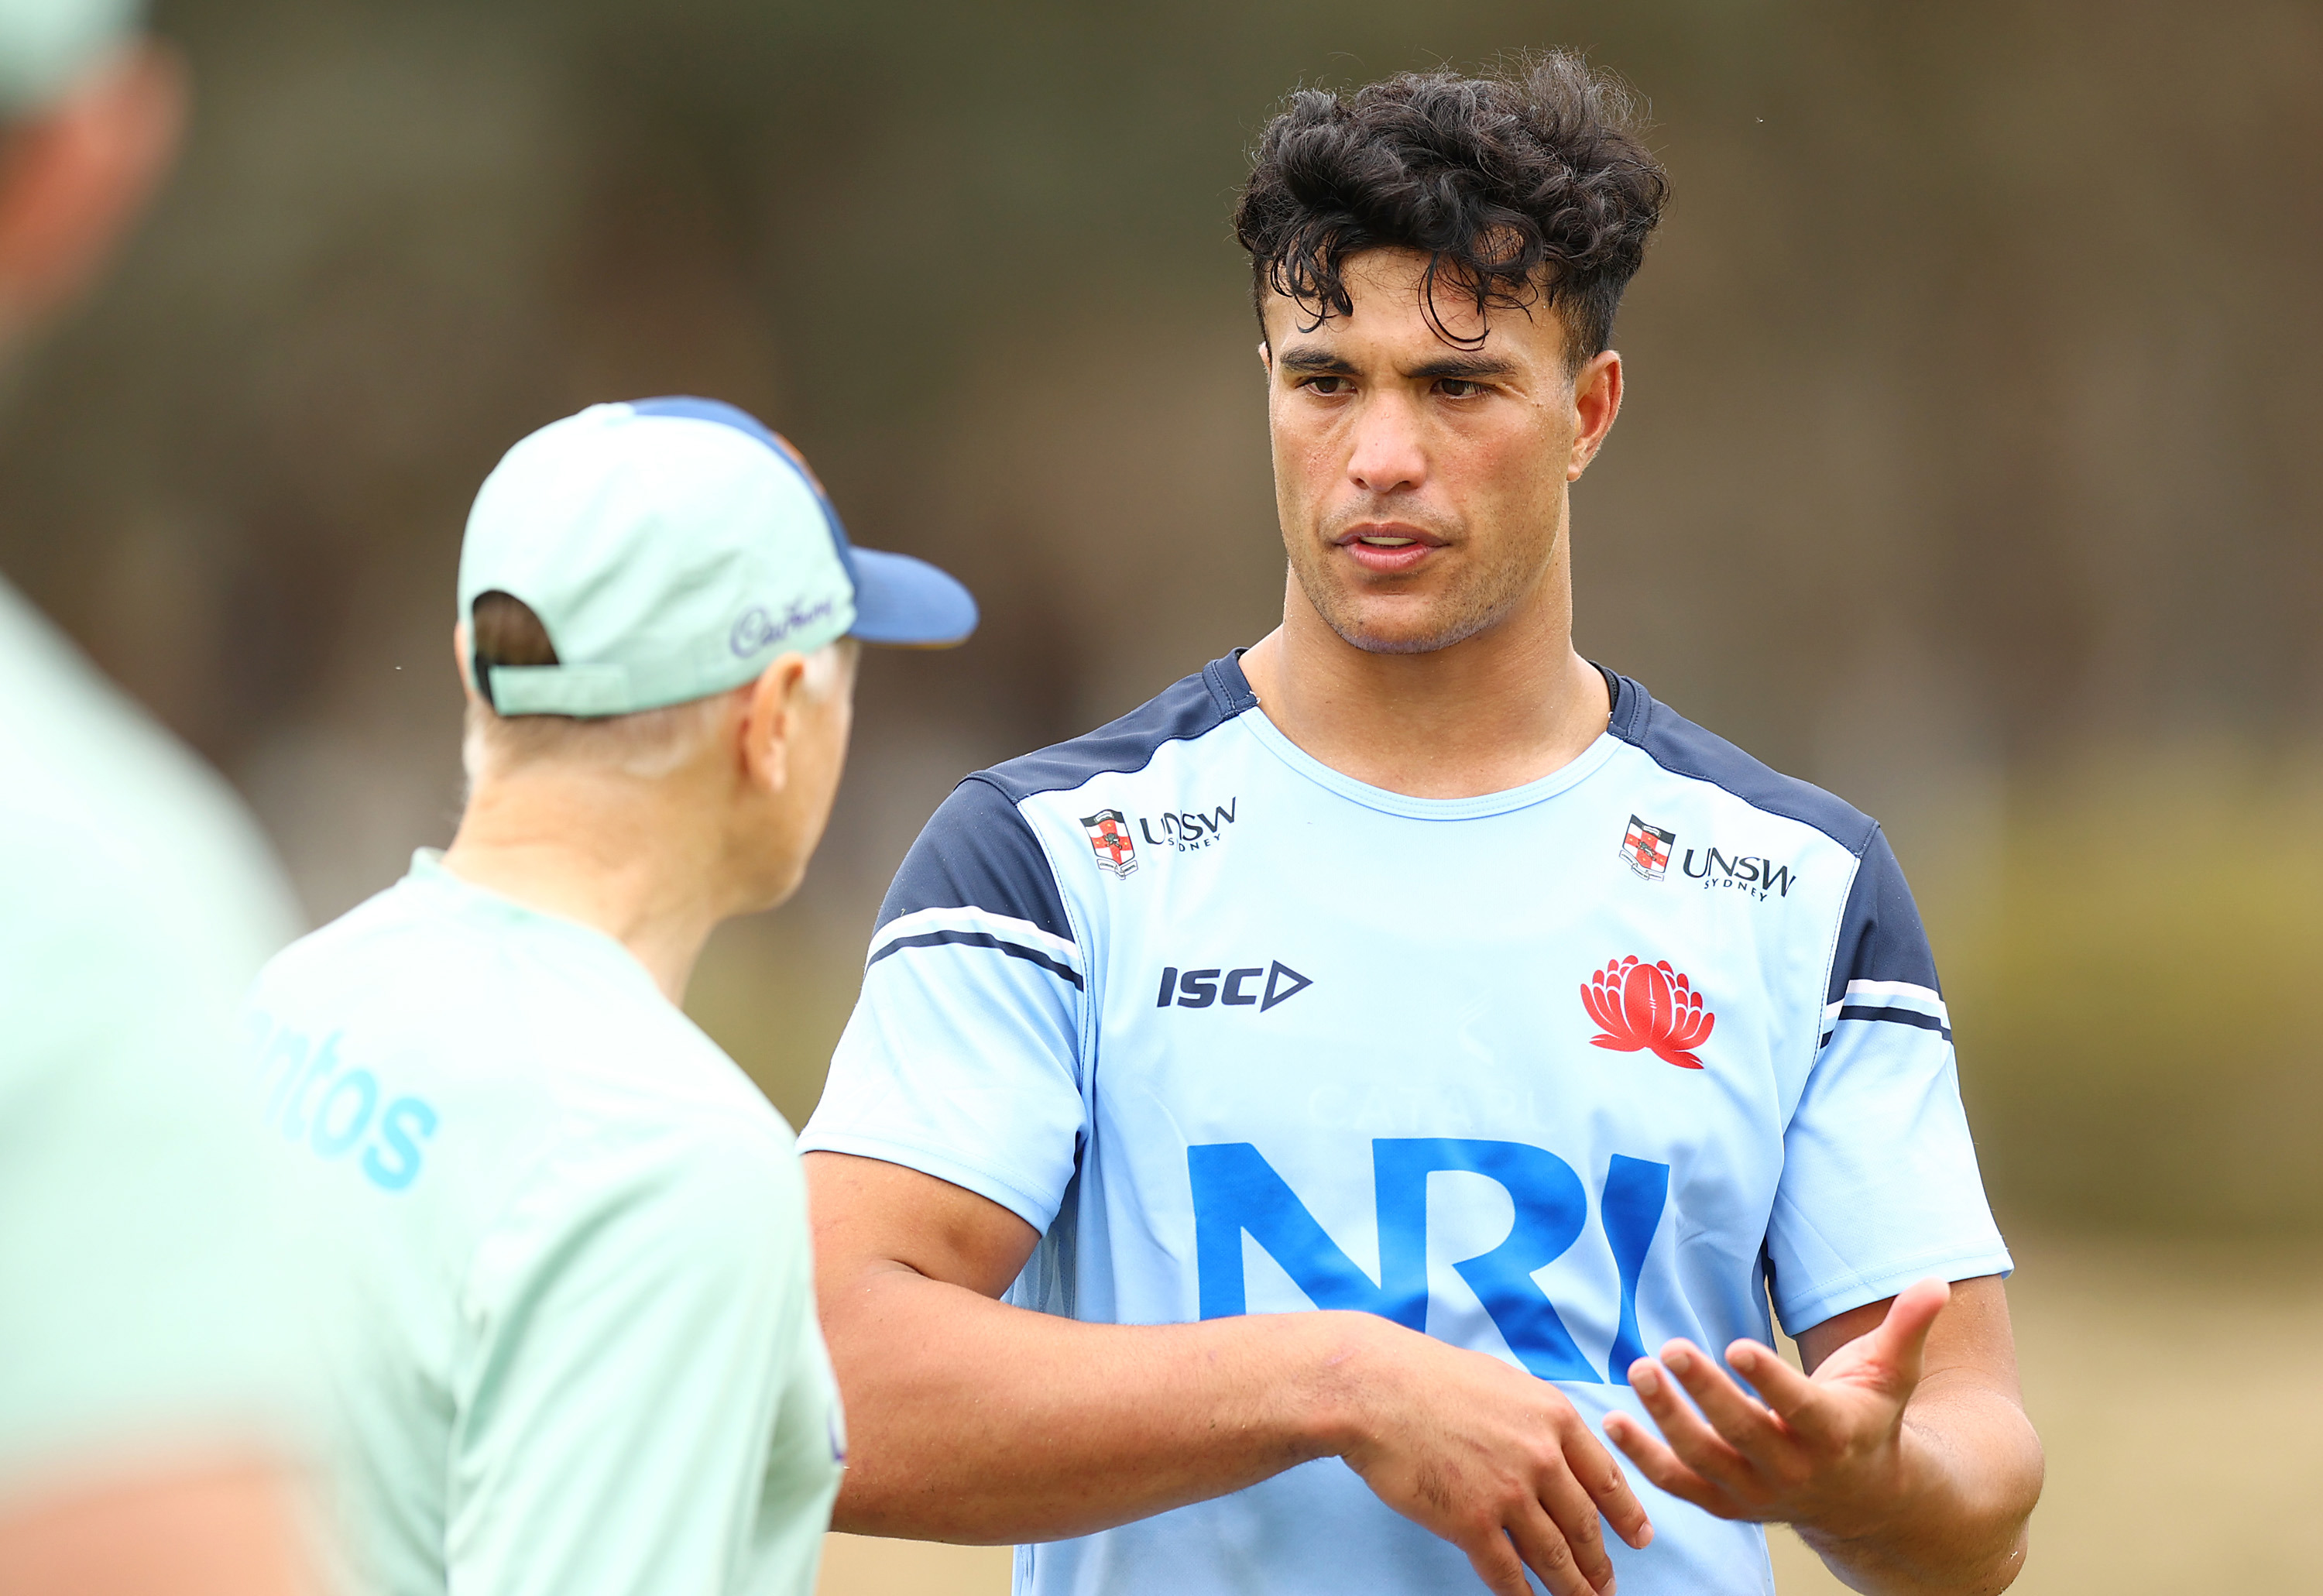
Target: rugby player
149	1402
574	1230
1405	1051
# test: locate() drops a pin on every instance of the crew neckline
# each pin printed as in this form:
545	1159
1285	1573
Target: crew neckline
1251	715
429	872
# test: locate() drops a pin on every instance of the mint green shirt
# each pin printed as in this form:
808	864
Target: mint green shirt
573	1237
141	1304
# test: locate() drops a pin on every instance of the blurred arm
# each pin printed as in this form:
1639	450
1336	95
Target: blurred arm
223	1528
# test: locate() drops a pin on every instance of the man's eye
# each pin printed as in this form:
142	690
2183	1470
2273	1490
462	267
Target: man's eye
1324	385
1458	387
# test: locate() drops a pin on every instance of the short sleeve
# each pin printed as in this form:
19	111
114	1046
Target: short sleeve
963	1057
633	1322
1880	1184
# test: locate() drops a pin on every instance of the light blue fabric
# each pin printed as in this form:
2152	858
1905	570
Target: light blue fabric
46	44
568	1239
1085	1003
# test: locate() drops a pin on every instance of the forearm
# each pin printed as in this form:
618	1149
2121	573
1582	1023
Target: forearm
1969	1475
970	1420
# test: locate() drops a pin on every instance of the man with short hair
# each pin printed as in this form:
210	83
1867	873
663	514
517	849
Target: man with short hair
1410	964
574	1231
151	1426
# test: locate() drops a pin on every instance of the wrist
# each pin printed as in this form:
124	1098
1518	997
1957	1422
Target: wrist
1340	1371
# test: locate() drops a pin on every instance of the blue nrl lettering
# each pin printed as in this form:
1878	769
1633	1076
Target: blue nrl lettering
1237	1191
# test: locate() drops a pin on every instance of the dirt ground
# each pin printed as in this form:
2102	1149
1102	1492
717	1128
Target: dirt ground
2175	1386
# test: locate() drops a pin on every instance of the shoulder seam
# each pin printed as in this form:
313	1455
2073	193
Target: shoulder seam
1630	728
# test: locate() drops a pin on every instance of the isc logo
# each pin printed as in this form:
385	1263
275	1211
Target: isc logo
1236	989
1236	1192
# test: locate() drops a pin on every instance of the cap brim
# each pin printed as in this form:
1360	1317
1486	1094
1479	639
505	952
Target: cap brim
908	603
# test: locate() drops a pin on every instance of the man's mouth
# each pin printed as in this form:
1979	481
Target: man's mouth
1390	549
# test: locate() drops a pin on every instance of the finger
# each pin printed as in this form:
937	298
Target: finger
1545	1549
1660	1464
1697	1446
1741	1420
1803	1406
1902	1339
1576	1520
1496	1563
1596	1472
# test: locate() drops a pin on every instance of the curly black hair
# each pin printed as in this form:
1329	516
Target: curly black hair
1528	185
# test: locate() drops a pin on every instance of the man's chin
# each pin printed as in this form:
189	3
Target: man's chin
1404	634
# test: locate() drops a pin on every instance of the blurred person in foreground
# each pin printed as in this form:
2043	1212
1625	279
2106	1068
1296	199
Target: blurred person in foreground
149	1408
1410	963
575	1231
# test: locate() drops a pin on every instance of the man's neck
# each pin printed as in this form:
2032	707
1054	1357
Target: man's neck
598	850
1508	706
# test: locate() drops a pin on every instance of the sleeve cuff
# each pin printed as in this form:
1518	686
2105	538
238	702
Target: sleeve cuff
1802	1310
1035	1211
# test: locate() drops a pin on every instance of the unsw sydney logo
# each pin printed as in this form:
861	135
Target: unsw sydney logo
1182	831
1647	849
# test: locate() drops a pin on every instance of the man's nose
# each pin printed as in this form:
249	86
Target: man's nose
1387	453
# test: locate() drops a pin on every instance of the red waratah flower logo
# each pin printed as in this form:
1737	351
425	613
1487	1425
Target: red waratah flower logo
1639	1005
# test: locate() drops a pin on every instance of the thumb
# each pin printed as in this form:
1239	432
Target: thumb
1900	1345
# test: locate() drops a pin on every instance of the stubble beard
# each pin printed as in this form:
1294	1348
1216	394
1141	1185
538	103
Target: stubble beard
1475	599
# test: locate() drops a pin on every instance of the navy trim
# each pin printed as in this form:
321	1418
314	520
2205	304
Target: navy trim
977	852
1894	1017
1880	937
1683	749
969	938
1187	709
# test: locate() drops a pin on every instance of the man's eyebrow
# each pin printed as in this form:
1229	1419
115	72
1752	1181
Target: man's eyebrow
1465	367
1315	360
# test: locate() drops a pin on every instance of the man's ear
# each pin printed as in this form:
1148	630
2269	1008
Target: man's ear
1596	401
769	719
463	661
73	176
1265	357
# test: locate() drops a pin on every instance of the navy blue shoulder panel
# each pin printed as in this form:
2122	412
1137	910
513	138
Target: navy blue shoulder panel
1683	749
1880	937
1187	709
976	852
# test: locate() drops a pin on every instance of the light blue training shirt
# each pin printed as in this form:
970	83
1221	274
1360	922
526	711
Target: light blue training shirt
1556	1073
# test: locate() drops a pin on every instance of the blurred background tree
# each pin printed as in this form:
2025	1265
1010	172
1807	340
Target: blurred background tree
1964	468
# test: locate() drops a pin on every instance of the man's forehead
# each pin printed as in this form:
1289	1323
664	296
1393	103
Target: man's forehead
1389	316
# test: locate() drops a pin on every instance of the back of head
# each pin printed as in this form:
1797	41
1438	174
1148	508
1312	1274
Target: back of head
1523	187
647	744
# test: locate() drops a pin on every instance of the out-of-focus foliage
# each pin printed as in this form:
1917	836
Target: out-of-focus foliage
1968	431
2136	1004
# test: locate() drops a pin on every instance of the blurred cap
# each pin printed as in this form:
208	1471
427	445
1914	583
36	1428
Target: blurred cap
672	549
45	46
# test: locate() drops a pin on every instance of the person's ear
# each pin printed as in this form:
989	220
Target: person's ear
770	713
464	661
1596	400
74	176
1265	358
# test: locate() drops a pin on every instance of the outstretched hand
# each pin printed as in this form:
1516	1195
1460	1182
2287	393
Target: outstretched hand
1828	1451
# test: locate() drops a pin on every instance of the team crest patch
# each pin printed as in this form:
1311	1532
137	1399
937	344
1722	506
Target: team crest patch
1640	1007
1108	834
1647	849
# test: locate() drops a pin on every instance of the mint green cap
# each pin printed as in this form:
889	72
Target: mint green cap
672	548
45	45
